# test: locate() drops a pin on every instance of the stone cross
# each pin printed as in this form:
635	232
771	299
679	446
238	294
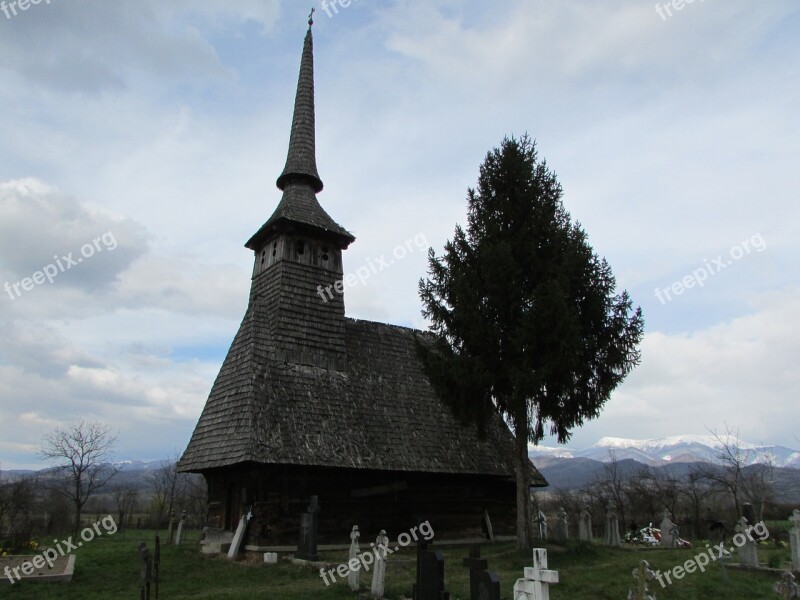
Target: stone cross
642	574
381	547
787	588
562	527
585	526
181	525
794	539
482	584
748	555
536	583
612	526
352	575
430	575
541	520
668	531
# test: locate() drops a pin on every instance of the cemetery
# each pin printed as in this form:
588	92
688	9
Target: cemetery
114	567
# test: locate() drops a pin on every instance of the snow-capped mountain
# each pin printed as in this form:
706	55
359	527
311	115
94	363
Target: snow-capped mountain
673	449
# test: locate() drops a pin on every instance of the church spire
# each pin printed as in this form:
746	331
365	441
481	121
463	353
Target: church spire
300	181
301	161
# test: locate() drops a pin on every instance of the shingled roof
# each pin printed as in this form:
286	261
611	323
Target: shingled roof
304	385
381	413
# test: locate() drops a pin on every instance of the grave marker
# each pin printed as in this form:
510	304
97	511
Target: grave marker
309	525
483	585
585	526
794	539
430	575
352	575
181	525
612	526
536	583
238	537
379	571
748	555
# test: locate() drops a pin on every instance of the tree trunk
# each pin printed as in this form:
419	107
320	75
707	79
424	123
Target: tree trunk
523	473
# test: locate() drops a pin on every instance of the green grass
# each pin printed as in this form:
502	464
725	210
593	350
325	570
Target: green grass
107	568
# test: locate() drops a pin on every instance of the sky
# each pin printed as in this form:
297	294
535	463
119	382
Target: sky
141	141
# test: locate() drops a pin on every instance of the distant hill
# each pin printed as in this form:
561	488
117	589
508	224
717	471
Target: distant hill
575	473
670	450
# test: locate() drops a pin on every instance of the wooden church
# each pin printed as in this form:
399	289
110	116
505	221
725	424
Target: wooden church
310	402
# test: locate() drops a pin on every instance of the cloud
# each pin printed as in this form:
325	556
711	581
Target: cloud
741	372
40	225
93	47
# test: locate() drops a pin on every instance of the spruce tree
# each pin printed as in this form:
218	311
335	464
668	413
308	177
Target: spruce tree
527	319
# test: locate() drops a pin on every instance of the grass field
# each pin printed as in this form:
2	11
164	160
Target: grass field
107	568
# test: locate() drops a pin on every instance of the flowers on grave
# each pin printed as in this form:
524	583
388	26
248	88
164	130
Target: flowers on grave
650	536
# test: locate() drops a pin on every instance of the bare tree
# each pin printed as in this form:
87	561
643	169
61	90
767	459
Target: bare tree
125	496
614	485
729	474
167	486
757	482
197	498
694	489
81	454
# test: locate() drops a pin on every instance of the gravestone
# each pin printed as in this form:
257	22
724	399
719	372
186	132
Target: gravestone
794	539
541	521
748	555
562	526
536	583
668	531
238	537
585	526
483	585
145	570
749	513
181	525
641	575
430	575
309	526
171	528
487	522
787	587
381	546
352	575
612	526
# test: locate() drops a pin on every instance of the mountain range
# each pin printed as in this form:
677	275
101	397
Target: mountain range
671	450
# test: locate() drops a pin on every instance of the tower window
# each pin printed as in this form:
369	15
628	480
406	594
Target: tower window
274	248
263	256
324	253
301	248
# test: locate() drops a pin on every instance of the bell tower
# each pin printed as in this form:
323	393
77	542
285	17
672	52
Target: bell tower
298	252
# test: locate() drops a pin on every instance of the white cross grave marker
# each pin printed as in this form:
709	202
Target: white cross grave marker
536	583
